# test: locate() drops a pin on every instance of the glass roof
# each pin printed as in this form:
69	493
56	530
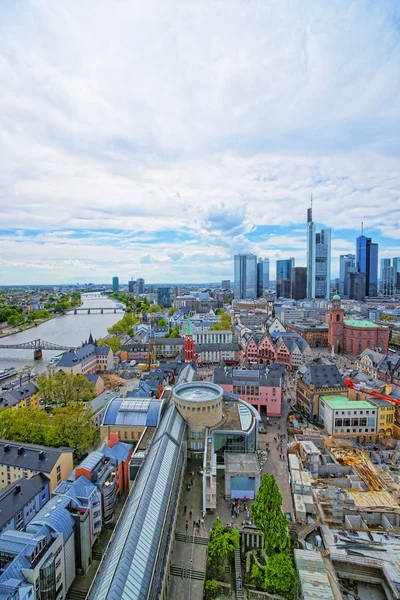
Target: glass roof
198	392
245	417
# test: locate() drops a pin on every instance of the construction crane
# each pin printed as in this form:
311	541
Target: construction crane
366	390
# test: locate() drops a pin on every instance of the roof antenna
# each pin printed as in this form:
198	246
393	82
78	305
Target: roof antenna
362	228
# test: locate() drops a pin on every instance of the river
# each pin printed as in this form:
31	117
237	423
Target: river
69	330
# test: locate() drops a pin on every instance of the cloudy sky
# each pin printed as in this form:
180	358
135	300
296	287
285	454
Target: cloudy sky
156	138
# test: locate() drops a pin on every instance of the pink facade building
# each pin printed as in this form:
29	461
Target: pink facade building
262	388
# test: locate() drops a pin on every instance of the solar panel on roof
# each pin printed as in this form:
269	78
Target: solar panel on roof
134	405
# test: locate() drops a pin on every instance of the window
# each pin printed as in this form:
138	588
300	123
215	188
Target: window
200	435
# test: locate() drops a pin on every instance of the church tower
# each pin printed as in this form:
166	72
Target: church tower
188	344
336	325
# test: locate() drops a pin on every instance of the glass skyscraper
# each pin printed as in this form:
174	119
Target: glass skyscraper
262	276
318	260
367	262
245	272
347	261
284	270
115	284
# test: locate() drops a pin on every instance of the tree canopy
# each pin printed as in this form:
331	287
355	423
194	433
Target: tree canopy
268	517
63	388
154	308
280	575
224	324
114	343
221	545
172	310
70	425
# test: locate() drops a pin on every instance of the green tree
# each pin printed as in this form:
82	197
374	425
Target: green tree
387	317
162	322
211	589
172	310
73	426
256	576
224	324
15	319
268	517
221	545
62	388
280	575
24	425
154	308
114	343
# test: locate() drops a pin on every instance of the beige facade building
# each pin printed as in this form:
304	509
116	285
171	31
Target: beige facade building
26	460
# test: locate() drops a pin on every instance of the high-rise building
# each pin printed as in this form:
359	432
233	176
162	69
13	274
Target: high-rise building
358	284
284	269
226	284
164	296
396	275
115	284
140	284
262	276
318	260
347	261
245	271
387	277
367	262
299	283
131	286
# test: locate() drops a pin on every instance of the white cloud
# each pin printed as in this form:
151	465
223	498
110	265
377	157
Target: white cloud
206	119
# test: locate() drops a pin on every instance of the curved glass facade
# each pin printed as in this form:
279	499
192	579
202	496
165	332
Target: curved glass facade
48	580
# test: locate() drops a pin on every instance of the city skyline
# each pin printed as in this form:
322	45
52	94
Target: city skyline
129	146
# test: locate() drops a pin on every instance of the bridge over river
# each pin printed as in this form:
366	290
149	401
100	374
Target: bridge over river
37	346
94	309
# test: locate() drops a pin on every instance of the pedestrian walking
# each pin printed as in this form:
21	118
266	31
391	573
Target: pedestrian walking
190	514
186	526
194	523
184	510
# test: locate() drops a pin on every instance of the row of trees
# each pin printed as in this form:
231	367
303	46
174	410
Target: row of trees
70	425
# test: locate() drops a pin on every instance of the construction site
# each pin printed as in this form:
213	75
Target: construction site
346	505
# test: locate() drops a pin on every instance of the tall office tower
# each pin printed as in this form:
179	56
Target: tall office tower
299	283
387	277
310	254
367	262
245	271
262	276
357	285
323	264
226	284
396	274
347	261
284	270
318	260
164	296
131	286
115	284
140	284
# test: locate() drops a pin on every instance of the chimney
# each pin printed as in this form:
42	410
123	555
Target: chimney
114	439
41	455
20	451
17	489
7	448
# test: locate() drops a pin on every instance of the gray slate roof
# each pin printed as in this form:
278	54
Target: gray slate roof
12	501
20	393
29	459
323	376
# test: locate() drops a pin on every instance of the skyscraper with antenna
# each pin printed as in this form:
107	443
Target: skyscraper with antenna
318	259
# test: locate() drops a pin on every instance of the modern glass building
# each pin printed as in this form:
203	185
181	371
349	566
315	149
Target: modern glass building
323	264
115	284
347	261
245	272
299	283
387	277
262	276
284	271
367	262
310	255
164	296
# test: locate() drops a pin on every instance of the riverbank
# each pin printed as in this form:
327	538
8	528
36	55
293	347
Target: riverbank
20	329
